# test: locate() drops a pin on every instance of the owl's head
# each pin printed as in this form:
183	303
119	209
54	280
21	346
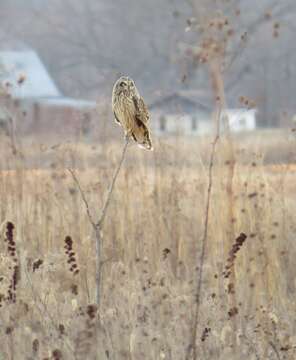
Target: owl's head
125	85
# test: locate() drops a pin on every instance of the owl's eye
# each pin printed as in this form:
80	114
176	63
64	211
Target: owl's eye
122	83
132	84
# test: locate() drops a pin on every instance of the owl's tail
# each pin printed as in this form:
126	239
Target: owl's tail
142	137
147	145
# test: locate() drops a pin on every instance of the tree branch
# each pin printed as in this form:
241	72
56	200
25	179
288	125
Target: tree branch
90	218
275	350
109	193
192	345
97	226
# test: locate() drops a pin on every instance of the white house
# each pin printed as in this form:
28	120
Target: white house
183	113
179	113
239	119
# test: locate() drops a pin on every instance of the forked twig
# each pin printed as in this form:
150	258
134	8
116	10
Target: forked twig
97	226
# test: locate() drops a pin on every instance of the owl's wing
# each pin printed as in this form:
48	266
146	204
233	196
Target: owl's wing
142	113
116	118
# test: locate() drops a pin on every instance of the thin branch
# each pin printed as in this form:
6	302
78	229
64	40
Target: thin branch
272	345
109	193
207	211
203	251
83	197
97	226
219	104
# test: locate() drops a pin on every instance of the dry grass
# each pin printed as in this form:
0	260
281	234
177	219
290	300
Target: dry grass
152	240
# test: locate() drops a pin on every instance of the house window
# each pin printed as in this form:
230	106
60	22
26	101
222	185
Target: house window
162	121
242	122
193	124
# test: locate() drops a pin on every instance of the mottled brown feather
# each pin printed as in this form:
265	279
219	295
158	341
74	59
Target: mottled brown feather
131	112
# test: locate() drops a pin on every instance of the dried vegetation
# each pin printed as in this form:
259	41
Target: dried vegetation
152	238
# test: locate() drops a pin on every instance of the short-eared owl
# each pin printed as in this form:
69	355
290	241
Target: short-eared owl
131	112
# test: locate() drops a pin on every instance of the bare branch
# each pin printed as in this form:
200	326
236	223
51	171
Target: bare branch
192	346
98	226
275	350
218	88
109	193
83	197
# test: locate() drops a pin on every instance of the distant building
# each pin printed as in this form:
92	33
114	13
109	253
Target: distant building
64	114
180	113
239	119
35	98
37	82
191	113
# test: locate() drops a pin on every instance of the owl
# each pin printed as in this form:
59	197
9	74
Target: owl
131	112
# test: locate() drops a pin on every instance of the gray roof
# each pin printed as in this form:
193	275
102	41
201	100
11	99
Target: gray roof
185	101
37	82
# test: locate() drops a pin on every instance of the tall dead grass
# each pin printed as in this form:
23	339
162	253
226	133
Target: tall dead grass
152	237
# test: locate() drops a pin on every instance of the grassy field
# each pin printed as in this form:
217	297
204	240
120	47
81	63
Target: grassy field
152	240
